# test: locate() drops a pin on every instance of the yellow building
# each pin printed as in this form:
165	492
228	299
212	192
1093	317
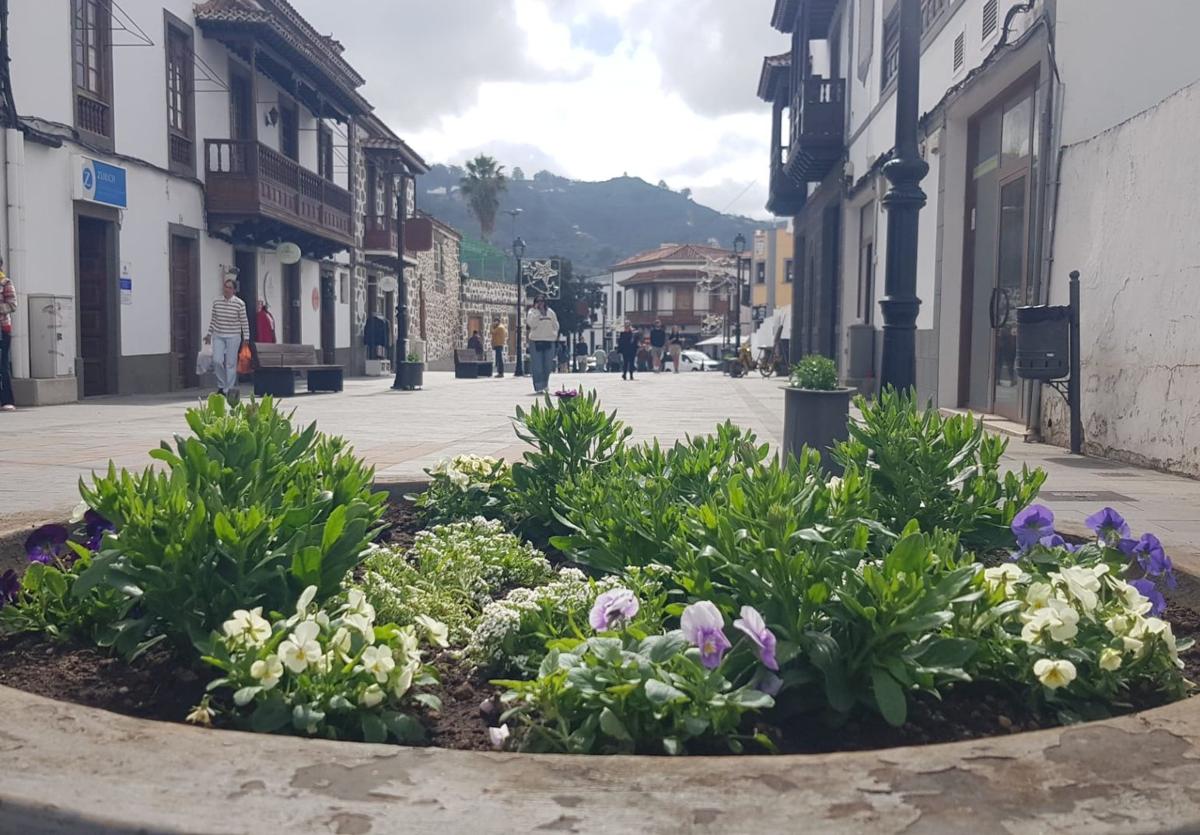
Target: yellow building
771	271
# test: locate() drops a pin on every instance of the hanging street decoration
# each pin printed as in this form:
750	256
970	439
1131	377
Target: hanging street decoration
541	278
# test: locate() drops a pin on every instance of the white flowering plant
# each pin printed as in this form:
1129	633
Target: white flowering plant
464	487
451	573
335	674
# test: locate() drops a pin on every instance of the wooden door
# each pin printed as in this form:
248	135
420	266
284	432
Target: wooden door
185	313
328	322
95	306
684	304
246	261
291	304
242	124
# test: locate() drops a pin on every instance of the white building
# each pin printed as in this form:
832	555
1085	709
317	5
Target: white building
1005	87
158	146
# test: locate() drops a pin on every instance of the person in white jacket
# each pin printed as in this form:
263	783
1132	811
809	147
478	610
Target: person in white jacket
541	325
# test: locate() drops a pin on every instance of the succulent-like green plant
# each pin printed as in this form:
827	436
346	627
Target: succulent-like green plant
815	373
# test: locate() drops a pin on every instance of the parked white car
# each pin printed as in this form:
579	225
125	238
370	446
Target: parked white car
698	361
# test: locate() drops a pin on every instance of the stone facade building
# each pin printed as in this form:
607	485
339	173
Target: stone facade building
434	287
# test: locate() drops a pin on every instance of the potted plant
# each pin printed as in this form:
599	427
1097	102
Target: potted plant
816	409
411	374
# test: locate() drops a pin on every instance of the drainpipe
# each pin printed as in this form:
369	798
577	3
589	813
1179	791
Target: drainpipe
15	260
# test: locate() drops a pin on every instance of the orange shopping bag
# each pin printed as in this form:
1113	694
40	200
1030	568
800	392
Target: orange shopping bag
245	359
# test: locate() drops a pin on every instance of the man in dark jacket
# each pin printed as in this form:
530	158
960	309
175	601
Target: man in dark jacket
627	344
658	344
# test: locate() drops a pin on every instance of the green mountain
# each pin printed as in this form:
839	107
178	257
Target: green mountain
594	224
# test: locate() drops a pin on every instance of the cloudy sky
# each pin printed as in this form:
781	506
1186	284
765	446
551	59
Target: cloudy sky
590	89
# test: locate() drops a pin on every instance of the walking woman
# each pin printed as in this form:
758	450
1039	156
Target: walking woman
541	323
627	344
227	330
675	344
8	306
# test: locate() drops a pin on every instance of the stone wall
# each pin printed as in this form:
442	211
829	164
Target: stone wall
486	301
434	299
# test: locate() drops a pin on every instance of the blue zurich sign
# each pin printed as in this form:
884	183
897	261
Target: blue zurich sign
103	183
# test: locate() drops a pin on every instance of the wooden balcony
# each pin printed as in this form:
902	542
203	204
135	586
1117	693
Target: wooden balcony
786	197
380	236
670	318
818	129
257	194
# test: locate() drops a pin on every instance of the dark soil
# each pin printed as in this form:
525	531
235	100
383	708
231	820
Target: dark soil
164	686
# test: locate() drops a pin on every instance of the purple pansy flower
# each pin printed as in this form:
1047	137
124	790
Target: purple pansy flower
751	623
10	587
613	609
96	527
1109	526
1032	524
1153	559
47	544
703	626
1158	603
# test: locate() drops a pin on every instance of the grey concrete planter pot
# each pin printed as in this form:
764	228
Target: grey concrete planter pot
816	419
410	375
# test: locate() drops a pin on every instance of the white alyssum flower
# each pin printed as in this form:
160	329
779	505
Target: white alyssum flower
378	662
438	632
301	648
372	696
1110	659
268	671
247	627
1054	673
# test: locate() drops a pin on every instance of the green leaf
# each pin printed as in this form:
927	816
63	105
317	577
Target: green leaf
889	697
909	555
661	648
947	652
613	726
270	715
373	728
660	693
748	698
306	565
404	727
334	525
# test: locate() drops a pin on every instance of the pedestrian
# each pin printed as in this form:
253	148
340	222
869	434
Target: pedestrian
475	343
644	360
541	323
8	306
676	347
227	330
564	358
499	340
264	324
628	347
658	344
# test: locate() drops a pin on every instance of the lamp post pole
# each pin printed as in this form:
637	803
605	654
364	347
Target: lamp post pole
518	249
904	201
401	284
739	247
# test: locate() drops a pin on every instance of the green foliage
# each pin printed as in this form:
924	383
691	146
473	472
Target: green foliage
451	573
333	674
414	357
568	438
511	635
246	512
630	694
45	603
465	487
815	373
942	471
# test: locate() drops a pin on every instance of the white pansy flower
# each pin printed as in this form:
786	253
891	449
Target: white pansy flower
459	479
1054	673
378	662
340	642
1159	628
437	631
409	645
1110	659
248	627
1134	646
498	736
372	696
403	679
1038	595
361	624
301	648
1057	618
1120	625
79	512
305	600
1004	577
1083	584
202	715
356	604
268	671
1134	600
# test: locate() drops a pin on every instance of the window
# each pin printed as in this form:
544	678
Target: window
92	59
931	12
325	152
960	50
891	47
181	138
760	272
620	298
289	131
787	271
866	263
344	288
989	19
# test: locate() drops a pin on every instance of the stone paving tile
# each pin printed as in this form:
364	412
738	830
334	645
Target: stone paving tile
402	433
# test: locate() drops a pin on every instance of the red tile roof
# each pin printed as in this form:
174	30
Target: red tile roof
674	252
653	276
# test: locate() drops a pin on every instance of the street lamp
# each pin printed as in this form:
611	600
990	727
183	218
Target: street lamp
518	251
739	247
401	381
904	201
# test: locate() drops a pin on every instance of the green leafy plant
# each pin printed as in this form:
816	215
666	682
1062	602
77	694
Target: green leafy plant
44	603
464	487
942	471
815	373
414	357
451	573
246	512
568	438
335	674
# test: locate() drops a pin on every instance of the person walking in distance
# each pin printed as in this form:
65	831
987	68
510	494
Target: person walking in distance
475	343
541	323
8	306
499	340
228	328
627	344
658	344
675	346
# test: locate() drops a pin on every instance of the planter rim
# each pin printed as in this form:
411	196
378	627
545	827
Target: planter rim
840	390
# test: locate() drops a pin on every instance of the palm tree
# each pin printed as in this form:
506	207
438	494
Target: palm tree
481	188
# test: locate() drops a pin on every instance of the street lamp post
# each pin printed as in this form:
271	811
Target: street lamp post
904	202
739	247
401	284
518	251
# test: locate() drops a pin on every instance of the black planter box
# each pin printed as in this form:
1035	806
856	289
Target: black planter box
410	375
816	419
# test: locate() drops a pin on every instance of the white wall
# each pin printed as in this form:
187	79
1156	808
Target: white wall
1127	220
1118	58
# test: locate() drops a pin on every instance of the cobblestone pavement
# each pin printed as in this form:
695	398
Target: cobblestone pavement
47	450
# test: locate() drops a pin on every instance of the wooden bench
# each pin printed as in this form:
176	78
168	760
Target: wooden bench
276	366
468	365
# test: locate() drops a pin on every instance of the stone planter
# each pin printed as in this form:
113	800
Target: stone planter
410	375
816	419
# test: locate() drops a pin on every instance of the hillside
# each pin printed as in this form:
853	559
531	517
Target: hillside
593	224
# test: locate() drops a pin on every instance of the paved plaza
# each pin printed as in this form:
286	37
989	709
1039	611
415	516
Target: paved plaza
47	450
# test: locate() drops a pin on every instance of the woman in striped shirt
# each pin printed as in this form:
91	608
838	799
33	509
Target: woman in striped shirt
228	328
